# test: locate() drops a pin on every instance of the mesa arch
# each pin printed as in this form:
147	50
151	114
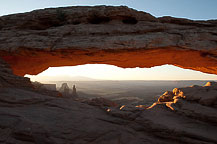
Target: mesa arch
33	41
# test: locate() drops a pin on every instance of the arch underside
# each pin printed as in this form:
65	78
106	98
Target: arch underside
31	42
35	61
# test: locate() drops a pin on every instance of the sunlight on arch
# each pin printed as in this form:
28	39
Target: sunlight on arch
90	72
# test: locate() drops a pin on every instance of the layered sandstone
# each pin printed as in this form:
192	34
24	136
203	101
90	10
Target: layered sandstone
30	117
31	42
8	79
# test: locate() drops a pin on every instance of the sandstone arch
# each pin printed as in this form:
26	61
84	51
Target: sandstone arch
31	42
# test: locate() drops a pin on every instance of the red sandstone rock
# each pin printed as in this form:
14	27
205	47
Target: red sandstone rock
32	42
204	95
111	35
166	97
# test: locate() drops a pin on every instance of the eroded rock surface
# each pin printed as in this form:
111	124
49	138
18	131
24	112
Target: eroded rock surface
28	117
194	101
31	42
8	79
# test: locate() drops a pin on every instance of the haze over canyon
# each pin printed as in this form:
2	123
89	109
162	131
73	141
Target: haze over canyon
34	112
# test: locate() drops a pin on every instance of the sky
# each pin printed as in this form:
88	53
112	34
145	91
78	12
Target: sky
191	9
109	72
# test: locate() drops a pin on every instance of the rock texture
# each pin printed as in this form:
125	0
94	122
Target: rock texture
29	117
101	102
205	95
8	79
31	42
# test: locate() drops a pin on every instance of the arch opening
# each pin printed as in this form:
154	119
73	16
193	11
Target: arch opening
35	41
121	85
98	72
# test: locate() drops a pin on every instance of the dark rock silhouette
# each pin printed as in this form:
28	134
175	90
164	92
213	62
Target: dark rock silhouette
50	86
67	92
64	89
42	86
46	89
74	92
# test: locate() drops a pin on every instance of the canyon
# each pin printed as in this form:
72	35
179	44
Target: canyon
33	41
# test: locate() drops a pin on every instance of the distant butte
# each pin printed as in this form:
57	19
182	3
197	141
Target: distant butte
33	41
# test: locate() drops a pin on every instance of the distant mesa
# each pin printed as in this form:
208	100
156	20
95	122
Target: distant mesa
81	78
50	86
67	92
43	86
64	89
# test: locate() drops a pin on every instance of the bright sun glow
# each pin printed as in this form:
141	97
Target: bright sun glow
110	72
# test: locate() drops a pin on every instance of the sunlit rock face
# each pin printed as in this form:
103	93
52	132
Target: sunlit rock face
31	42
204	95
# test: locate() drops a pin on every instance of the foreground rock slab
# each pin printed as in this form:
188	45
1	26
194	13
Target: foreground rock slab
30	117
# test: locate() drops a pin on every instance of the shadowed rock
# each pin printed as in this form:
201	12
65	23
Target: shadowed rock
64	89
74	92
30	117
31	42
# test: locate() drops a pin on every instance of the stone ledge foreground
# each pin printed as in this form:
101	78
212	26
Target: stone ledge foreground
32	42
29	117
